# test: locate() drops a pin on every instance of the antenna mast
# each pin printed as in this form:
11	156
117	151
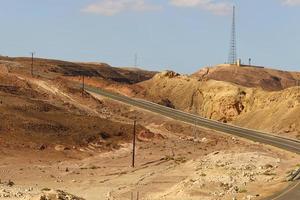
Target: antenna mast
232	58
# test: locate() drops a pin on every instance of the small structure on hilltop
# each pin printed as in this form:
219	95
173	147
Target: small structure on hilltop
239	63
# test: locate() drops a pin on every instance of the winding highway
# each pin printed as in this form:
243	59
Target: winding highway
292	193
277	141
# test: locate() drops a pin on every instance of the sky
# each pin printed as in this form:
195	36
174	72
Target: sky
180	35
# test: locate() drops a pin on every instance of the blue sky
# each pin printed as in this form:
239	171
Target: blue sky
182	35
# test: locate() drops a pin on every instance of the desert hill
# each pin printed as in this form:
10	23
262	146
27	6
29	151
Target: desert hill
257	98
54	135
265	78
48	110
276	112
56	68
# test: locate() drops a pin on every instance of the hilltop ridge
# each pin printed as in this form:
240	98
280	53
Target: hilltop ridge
250	76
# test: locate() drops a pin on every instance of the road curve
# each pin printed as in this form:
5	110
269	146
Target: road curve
257	136
291	193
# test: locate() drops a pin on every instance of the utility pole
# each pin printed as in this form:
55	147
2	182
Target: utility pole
32	54
298	84
133	144
195	134
83	85
137	196
135	60
136	65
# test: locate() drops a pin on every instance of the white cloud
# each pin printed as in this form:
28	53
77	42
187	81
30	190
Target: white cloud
113	7
185	3
291	2
215	7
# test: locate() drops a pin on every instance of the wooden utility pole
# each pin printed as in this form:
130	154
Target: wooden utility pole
135	60
298	84
137	196
136	65
195	134
83	85
133	144
32	53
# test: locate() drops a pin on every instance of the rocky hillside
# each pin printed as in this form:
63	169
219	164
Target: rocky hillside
276	111
41	114
267	79
55	68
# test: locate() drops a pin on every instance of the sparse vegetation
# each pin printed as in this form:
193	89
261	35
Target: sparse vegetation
243	191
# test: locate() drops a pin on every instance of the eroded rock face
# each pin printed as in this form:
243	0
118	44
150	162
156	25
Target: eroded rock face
169	74
209	99
255	108
166	102
229	109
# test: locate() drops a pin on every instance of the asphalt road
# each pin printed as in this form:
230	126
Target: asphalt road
292	193
277	141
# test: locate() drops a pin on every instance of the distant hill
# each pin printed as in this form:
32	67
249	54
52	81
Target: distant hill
267	79
49	67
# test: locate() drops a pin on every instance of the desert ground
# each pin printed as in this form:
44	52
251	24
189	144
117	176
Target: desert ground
58	142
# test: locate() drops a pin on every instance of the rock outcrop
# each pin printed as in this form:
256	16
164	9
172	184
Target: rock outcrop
276	111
